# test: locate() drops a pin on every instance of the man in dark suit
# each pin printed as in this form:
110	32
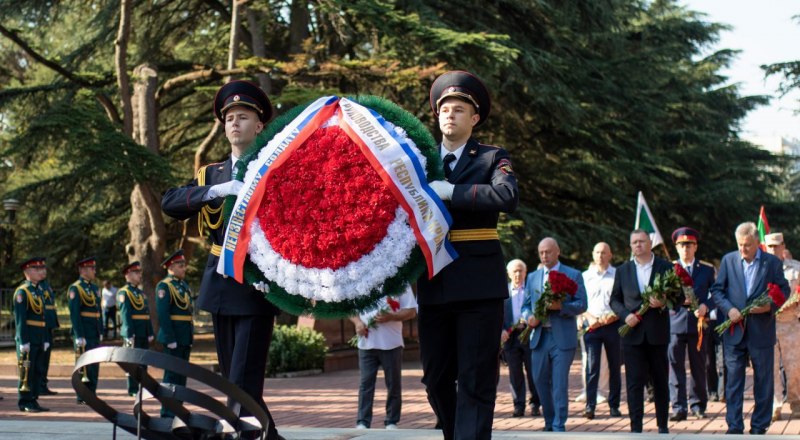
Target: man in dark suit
243	319
516	353
461	308
684	332
743	276
645	347
553	340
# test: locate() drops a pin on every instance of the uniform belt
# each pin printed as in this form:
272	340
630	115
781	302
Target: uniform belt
35	323
90	314
216	250
50	307
141	317
473	234
180	317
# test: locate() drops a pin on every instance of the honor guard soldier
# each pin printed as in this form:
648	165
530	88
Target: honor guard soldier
30	338
51	319
461	308
84	313
243	319
137	329
174	306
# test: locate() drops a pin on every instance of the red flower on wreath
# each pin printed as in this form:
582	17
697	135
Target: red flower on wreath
328	206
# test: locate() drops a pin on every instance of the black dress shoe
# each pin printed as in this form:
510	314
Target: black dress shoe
40	407
47	392
535	411
614	412
588	414
677	417
699	413
80	402
29	409
519	412
734	431
663	430
548	429
758	431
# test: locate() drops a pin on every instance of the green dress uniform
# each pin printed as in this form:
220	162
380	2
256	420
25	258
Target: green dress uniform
174	306
29	318
136	322
84	313
51	323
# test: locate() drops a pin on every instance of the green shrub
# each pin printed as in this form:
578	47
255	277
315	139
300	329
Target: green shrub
295	349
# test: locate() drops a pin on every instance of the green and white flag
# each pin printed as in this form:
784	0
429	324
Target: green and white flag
646	222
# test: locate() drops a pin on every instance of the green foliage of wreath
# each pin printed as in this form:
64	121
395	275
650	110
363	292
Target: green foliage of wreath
407	273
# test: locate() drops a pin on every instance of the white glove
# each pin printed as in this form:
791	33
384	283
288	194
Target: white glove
150	338
230	188
261	287
129	342
442	189
46	346
80	342
25	348
172	345
101	338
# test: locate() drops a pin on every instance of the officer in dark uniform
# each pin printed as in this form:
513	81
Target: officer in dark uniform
174	307
243	319
137	329
51	319
684	332
30	338
84	313
461	308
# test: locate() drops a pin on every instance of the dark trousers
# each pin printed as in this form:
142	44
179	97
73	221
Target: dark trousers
716	373
459	346
242	348
594	341
92	371
642	362
27	399
110	314
697	399
48	337
763	360
182	352
518	357
368	363
138	342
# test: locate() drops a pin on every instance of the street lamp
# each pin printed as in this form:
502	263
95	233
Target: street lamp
10	206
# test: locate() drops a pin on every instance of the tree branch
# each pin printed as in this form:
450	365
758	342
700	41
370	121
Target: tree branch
121	65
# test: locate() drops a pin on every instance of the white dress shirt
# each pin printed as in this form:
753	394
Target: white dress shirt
643	272
599	284
517	295
457	153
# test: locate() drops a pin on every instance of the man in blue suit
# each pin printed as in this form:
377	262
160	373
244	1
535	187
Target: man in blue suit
684	334
645	347
553	341
743	276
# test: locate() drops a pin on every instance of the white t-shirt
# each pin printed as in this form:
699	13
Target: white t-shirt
388	335
109	297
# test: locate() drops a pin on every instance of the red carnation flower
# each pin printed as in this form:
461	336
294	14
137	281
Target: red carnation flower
560	283
393	303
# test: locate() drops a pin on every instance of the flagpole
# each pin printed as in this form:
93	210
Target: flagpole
666	251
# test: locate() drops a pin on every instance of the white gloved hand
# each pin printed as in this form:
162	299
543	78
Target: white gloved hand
172	345
25	348
101	338
80	342
129	342
150	338
442	189
261	287
225	189
46	346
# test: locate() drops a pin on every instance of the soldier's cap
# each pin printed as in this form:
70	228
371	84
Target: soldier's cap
87	262
245	94
131	267
34	262
174	258
685	235
462	85
774	239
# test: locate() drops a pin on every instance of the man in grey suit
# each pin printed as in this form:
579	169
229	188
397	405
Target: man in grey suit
553	341
743	276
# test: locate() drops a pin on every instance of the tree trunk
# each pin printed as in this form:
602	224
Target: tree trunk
299	19
121	64
256	26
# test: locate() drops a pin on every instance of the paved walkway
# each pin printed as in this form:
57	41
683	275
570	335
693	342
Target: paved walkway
324	407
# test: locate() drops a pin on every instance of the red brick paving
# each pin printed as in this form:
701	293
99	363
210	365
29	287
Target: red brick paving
330	400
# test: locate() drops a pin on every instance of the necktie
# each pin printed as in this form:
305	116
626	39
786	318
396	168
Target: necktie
236	166
689	269
448	159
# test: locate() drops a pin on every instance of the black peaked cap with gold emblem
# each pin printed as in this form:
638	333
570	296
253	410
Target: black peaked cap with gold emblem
462	85
243	93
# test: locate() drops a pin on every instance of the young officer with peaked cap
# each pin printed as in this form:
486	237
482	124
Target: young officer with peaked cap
461	308
84	313
243	319
31	340
137	328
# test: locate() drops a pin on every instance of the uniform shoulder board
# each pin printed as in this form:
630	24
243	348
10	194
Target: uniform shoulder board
706	263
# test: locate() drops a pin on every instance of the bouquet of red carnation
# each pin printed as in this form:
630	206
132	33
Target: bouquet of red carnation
557	288
391	305
666	288
794	298
773	294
